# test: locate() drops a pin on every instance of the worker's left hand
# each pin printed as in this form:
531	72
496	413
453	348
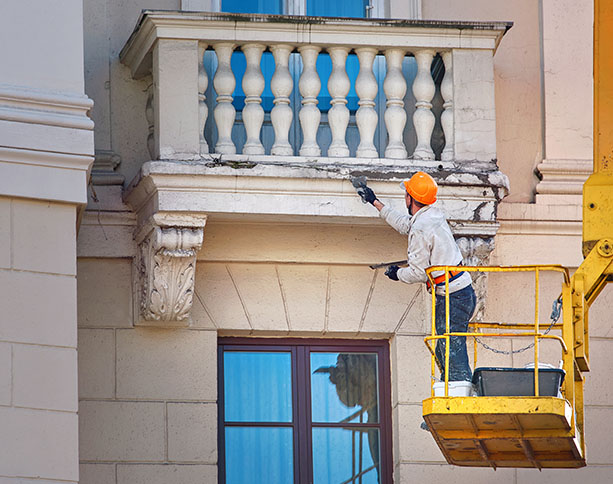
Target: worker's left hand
392	272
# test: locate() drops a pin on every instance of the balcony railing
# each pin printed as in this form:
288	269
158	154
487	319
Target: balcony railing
415	78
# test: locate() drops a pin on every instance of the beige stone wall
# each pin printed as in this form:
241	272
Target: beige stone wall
518	71
147	396
38	341
46	149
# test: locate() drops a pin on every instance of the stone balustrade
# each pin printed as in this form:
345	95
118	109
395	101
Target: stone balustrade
423	90
170	47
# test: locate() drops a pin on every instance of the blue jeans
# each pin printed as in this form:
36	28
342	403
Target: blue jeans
461	307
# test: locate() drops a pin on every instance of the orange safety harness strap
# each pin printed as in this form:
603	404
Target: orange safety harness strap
441	279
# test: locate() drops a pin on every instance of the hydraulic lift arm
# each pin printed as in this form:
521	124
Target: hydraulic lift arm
597	268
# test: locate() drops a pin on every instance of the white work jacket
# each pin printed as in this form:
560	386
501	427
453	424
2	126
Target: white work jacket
431	243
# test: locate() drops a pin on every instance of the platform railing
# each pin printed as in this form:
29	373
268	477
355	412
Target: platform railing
515	330
170	46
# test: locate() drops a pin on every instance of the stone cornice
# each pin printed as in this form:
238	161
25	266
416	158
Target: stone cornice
540	219
299	30
309	192
44	175
46	144
562	181
41	107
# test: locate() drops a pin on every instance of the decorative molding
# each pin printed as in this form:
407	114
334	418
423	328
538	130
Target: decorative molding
256	189
166	266
540	219
32	106
103	170
562	177
44	175
46	144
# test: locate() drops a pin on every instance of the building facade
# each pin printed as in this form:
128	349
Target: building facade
219	256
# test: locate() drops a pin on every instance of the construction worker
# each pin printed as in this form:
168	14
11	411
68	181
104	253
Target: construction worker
431	243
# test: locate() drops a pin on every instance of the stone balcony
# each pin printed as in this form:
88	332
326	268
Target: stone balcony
263	117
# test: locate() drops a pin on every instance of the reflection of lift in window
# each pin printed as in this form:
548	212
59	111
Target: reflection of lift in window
307	411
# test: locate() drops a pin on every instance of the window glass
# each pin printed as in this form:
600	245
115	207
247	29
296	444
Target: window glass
344	387
260	455
345	455
295	412
345	8
252	6
257	387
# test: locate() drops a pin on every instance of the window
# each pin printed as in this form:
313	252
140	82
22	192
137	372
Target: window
299	411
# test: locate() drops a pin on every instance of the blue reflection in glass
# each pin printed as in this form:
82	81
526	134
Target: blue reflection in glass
261	455
252	6
339	8
344	387
341	455
257	386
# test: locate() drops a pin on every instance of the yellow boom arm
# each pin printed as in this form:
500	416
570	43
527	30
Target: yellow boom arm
597	268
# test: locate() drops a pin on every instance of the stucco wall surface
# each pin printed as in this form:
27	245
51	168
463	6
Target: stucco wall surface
35	63
119	109
517	71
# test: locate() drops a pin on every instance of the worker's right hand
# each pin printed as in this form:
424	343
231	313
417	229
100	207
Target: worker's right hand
367	195
392	272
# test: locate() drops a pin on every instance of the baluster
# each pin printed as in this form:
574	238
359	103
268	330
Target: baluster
366	89
253	86
309	86
281	86
224	84
423	119
395	87
338	116
203	111
447	115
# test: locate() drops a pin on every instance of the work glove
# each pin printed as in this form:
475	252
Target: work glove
392	272
367	195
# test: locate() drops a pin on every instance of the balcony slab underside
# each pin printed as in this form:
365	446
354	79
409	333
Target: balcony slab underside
280	189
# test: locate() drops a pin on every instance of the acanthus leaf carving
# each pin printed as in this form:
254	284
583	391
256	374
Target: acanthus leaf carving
167	273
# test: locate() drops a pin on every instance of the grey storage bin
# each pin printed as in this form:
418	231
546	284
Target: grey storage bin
516	382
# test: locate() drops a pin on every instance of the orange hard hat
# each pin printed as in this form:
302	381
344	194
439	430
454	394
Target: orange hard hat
421	187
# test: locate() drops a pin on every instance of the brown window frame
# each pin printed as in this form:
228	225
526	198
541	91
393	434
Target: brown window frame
302	424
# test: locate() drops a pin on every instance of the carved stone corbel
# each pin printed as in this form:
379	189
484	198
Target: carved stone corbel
166	268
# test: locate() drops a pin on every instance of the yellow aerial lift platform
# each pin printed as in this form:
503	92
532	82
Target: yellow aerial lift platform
537	430
541	428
